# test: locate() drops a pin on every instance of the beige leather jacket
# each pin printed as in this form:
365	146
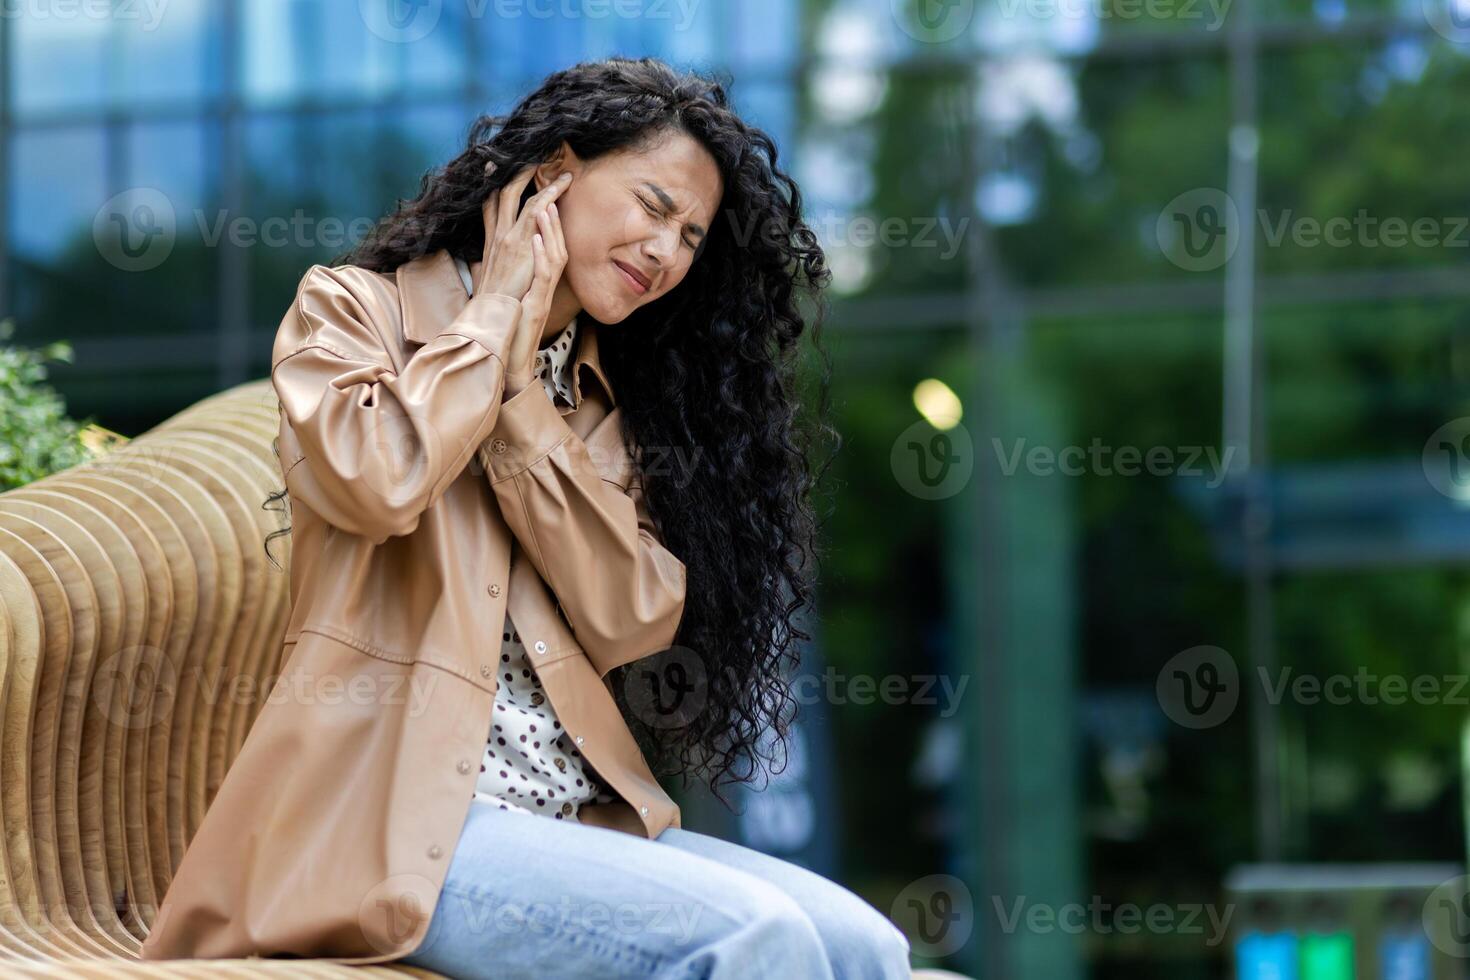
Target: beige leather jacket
423	504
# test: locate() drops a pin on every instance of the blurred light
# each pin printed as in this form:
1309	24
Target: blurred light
1245	141
844	94
1406	58
852	268
1404	955
1014	91
849	35
836	170
938	403
1327	956
1005	198
1008	27
1263	956
843	87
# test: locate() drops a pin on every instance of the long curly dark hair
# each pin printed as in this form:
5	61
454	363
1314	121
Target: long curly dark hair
710	371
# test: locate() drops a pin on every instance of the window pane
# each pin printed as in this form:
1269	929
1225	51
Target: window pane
173	294
67	57
276	56
772	107
170	157
1082	164
523	49
694	39
1362	156
60	62
765	34
422	137
57	185
175	59
894	228
312	180
377	48
1361	381
303	49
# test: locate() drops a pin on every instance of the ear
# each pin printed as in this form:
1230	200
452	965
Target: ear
563	159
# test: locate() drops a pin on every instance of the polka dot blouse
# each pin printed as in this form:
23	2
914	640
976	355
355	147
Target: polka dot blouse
530	764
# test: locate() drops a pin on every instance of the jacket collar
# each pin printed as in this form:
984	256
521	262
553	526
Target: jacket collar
431	294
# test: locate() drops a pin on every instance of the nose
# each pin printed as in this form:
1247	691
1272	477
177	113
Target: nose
662	247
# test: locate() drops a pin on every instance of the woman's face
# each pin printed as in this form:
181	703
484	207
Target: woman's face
633	223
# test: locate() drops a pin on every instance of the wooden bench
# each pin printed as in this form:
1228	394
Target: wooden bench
130	587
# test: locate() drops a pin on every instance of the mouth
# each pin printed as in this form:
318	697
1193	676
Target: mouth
636	280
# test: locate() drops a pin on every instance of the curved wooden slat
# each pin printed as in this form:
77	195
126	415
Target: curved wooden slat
119	622
140	630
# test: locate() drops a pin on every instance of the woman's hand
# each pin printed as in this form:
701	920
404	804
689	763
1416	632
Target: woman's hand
507	264
549	250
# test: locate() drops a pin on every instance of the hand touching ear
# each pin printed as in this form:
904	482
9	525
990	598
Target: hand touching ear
507	264
549	250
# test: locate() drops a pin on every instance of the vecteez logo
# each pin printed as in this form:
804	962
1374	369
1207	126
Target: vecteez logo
931	463
1199	230
1449	18
400	21
1199	687
933	21
135	230
1447	459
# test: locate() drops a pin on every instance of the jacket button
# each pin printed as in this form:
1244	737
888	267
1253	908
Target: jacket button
540	646
435	851
464	765
566	808
484	670
494	589
538	698
497	445
643	810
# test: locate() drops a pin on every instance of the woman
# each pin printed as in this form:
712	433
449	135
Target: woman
596	305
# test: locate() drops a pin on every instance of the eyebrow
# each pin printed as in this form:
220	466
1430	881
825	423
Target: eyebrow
668	204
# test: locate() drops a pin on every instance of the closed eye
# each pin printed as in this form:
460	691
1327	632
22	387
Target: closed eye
657	214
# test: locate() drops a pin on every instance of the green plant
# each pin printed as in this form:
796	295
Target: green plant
36	437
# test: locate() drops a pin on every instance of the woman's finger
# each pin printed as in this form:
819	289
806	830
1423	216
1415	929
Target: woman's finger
544	197
556	249
538	297
488	210
555	189
543	265
510	199
490	207
546	275
537	221
558	240
554	243
532	298
528	330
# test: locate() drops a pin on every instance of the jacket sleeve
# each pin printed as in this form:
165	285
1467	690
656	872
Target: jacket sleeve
591	540
365	447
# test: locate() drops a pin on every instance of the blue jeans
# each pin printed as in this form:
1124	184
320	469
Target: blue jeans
529	896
